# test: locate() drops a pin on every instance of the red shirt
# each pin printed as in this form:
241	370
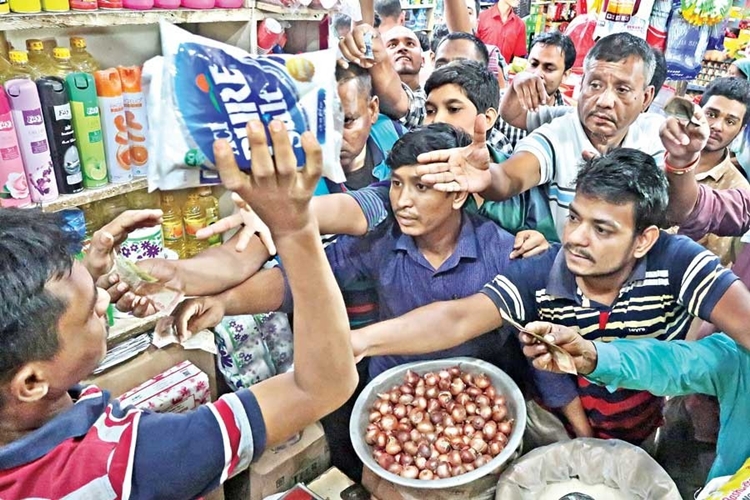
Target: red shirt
508	36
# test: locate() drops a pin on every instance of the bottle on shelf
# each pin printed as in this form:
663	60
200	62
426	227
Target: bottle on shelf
136	118
109	4
19	66
114	128
93	217
142	199
211	207
62	140
198	4
172	227
194	218
63	67
55	5
39	59
32	138
112	207
88	128
83	5
49	44
167	4
80	58
138	4
25	6
14	189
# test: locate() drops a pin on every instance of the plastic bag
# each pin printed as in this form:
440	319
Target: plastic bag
736	486
686	45
208	90
581	32
612	464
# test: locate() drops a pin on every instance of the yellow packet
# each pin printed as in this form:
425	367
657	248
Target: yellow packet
737	488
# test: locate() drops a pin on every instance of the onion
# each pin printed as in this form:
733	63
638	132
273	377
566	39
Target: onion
463	398
444	384
426	475
420	390
406	389
471	408
457	470
482	400
431	437
432	464
495	448
490	392
485	412
482	381
411	377
469	429
394	396
404	425
506	426
454	458
430	379
444	374
420	462
477	443
395	469
455	371
457	386
477	422
425	427
402	436
469	467
410	448
444	398
480	461
457	442
375	416
385	396
385	408
473	391
416	416
371	436
410	472
421	402
501	438
442	445
487	458
499	413
448	421
431	392
393	447
381	439
415	435
499	400
468	455
405	399
443	470
468	378
451	432
386	460
433	405
399	411
458	413
424	450
489	431
406	459
388	422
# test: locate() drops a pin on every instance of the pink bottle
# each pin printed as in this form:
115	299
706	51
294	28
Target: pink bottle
167	4
14	190
138	4
229	4
198	4
26	110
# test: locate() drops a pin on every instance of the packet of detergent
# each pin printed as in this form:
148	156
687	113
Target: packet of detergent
737	488
209	90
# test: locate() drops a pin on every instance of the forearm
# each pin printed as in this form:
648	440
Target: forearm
457	16
219	268
386	84
576	416
502	186
339	214
683	196
511	110
368	11
262	292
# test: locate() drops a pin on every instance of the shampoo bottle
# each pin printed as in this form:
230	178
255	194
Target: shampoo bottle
88	128
14	190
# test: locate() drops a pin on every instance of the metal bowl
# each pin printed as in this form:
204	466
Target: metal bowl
395	376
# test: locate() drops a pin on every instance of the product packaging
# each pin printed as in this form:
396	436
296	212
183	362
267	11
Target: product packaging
180	389
203	90
114	127
135	118
88	128
14	190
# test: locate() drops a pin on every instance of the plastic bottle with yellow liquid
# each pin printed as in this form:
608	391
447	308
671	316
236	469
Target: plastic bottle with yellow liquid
211	208
39	58
80	57
19	66
63	67
5	69
142	200
171	225
194	218
55	5
93	216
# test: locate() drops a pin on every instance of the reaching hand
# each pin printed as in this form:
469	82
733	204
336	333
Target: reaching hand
252	225
100	257
353	48
529	243
530	91
195	315
136	301
459	169
685	140
583	351
274	188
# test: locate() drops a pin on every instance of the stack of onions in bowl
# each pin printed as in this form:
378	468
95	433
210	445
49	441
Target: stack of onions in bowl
438	425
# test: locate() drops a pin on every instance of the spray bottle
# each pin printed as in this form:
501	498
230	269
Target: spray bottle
111	107
135	118
14	190
32	137
88	128
62	140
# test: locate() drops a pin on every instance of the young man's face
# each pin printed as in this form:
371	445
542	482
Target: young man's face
419	209
599	237
81	330
548	62
455	50
404	50
360	112
613	94
471	7
725	121
448	104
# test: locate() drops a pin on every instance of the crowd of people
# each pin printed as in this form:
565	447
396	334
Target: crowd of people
470	199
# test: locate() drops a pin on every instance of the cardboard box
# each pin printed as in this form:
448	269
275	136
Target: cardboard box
480	489
330	484
121	378
178	390
299	463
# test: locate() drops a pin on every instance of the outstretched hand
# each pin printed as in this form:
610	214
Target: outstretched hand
459	169
684	140
581	350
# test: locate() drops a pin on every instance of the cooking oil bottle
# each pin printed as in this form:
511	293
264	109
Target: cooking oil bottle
63	66
39	58
80	57
19	66
142	200
93	217
171	225
195	218
211	207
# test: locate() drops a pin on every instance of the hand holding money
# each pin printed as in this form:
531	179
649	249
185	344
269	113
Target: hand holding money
556	348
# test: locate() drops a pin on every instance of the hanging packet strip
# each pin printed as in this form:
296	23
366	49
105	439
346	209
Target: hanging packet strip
207	90
631	16
686	45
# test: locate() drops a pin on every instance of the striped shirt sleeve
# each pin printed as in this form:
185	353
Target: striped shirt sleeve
375	203
188	455
539	144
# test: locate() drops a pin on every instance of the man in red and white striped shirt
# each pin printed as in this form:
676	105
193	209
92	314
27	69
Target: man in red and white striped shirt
62	440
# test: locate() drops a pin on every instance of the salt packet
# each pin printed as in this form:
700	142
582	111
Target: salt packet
209	90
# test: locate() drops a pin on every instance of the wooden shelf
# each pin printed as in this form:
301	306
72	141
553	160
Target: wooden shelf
98	18
280	13
91	195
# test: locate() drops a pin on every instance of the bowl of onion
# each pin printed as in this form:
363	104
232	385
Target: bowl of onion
438	424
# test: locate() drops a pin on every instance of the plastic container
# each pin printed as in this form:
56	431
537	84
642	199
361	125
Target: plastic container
62	140
55	5
109	4
229	4
114	128
14	190
25	6
32	138
167	4
4	7
63	67
19	66
136	119
80	58
83	4
88	128
138	4
39	58
211	208
198	4
194	218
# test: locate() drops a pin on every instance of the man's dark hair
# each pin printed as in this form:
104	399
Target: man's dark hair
477	82
620	46
341	21
388	8
731	88
355	72
34	249
627	175
558	40
424	139
439	31
477	8
660	71
479	46
424	40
